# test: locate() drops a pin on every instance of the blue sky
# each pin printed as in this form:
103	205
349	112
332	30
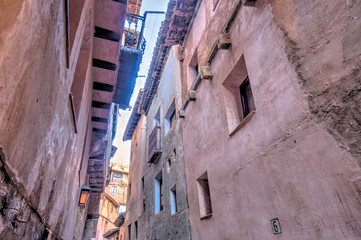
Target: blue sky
150	33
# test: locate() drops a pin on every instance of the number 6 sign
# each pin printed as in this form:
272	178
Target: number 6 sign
276	227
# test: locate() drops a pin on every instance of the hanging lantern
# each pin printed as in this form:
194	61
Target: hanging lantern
84	194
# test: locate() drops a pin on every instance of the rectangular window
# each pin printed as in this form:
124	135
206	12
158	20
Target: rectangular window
136	229
246	97
204	197
173	199
196	69
158	193
142	184
129	190
157	118
129	232
114	189
238	97
170	117
117	175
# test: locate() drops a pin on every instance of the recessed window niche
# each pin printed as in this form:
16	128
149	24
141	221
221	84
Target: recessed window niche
238	97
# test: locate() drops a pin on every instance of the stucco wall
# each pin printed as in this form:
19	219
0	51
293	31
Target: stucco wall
42	153
283	163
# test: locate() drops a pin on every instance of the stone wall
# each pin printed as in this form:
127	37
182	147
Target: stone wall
323	44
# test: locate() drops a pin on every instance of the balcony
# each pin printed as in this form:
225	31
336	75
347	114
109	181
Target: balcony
154	149
131	52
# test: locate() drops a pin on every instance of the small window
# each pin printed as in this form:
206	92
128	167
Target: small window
142	184
129	232
204	197
215	3
114	189
117	175
170	117
169	164
129	190
173	200
158	193
246	97
157	118
196	70
193	69
238	97
136	229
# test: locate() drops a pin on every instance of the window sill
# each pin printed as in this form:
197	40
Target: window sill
207	216
244	122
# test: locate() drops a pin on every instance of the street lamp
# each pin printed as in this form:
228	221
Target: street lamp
84	194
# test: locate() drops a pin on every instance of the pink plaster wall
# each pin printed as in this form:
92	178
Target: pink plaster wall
282	163
42	151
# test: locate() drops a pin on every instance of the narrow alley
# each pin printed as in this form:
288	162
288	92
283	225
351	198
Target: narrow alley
180	120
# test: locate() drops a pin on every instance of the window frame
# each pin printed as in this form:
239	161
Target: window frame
158	192
170	117
236	111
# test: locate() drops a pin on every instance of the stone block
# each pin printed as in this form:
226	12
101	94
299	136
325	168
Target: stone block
192	95
224	41
206	72
182	113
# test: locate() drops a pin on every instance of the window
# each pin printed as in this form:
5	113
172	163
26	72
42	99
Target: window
136	229
170	117
204	197
238	97
157	118
193	69
158	193
81	75
142	184
169	164
215	3
117	175
173	200
114	189
129	190
129	232
246	97
196	70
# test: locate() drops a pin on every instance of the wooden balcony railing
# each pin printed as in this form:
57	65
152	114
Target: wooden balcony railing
154	148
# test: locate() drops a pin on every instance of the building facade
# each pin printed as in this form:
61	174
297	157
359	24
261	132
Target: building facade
118	183
270	122
269	142
63	72
157	207
113	204
108	213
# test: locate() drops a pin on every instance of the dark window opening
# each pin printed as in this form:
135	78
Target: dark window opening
129	232
246	97
136	229
204	196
